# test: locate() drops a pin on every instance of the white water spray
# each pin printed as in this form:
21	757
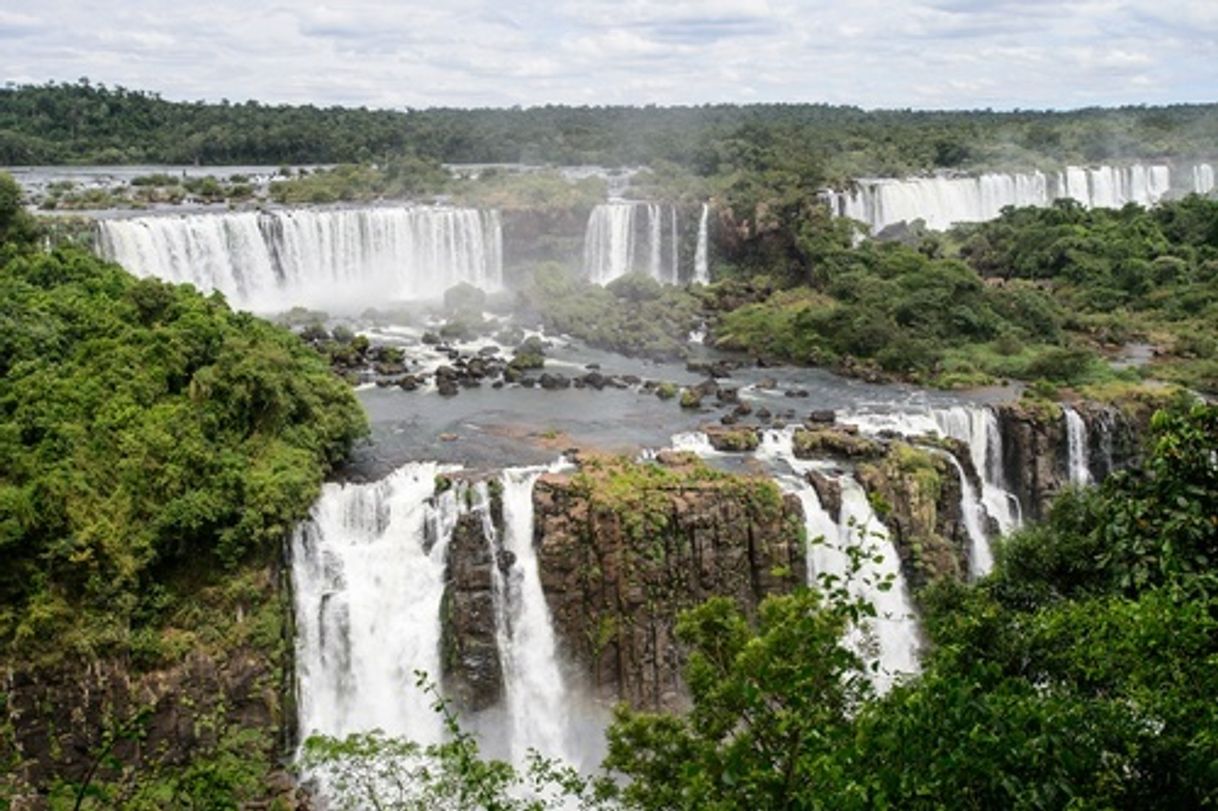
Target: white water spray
1076	447
893	636
539	705
942	201
626	237
268	261
368	578
702	251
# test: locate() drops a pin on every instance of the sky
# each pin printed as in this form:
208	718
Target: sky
936	54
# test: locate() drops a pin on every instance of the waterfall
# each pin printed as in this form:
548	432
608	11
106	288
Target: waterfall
272	260
626	237
674	271
701	253
893	635
896	621
943	201
695	442
1203	178
538	702
977	427
368	578
980	556
1076	447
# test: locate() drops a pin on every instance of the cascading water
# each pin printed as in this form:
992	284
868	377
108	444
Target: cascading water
702	251
695	442
626	237
272	260
942	201
369	574
1203	178
896	621
368	579
1076	447
980	556
895	627
538	703
977	427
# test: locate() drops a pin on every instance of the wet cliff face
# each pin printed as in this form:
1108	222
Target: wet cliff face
624	547
473	673
914	489
209	723
1035	446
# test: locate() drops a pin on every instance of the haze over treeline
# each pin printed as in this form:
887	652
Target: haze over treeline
84	122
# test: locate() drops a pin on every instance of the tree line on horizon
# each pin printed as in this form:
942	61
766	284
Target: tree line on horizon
84	122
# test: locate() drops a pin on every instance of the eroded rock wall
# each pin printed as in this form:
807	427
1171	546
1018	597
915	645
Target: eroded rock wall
624	547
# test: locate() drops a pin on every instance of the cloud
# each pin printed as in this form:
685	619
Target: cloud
399	53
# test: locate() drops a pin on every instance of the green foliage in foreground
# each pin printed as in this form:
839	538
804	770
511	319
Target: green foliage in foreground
1083	674
372	770
147	433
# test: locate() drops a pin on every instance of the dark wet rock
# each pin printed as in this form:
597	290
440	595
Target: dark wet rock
431	339
795	393
533	345
729	419
631	380
389	369
767	384
829	493
555	381
447	387
743	410
726	395
488	351
825	416
472	674
665	391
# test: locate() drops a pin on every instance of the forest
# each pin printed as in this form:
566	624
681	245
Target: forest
147	430
158	446
83	122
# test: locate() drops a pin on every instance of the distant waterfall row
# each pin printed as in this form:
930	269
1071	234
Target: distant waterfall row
639	237
272	260
943	201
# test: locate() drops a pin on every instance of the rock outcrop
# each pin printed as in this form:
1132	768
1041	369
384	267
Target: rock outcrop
1035	446
624	547
472	672
916	493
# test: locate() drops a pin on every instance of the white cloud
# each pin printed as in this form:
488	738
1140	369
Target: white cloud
396	53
